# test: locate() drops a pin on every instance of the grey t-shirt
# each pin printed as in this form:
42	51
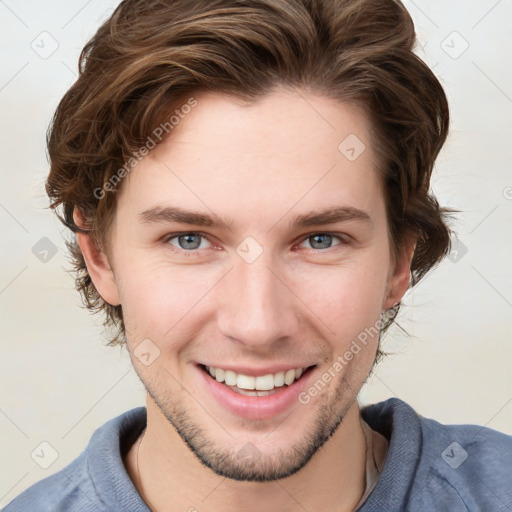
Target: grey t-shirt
429	467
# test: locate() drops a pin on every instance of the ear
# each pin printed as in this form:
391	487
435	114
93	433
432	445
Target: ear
400	276
97	263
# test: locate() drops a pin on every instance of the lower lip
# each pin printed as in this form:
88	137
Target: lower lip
256	407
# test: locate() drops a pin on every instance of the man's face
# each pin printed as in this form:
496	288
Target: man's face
264	293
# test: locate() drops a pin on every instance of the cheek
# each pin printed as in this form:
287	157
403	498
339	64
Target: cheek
349	303
158	299
346	298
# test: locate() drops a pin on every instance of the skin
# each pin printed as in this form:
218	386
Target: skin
258	165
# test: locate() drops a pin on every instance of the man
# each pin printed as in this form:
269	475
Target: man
249	186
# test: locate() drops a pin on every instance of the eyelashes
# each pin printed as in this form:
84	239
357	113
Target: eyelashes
183	235
329	236
189	242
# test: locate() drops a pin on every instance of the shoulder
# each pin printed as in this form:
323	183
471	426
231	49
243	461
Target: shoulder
95	480
470	462
67	490
448	467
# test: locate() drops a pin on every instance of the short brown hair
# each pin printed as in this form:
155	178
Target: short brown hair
152	54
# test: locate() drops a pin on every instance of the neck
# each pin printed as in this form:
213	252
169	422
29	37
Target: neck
170	478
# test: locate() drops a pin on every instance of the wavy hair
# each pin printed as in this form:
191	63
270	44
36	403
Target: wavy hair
151	54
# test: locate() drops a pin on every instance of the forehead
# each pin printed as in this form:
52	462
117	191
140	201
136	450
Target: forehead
292	125
288	150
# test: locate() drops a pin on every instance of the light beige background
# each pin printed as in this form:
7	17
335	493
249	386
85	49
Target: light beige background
59	383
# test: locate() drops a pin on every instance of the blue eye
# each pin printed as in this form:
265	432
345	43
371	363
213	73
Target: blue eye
187	241
190	242
323	240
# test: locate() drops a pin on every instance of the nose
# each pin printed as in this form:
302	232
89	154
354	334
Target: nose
259	306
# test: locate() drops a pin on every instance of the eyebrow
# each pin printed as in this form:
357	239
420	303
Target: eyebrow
330	216
159	214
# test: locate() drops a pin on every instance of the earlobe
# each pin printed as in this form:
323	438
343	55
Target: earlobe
399	282
98	264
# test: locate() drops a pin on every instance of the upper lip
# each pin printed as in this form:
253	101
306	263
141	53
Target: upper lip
255	372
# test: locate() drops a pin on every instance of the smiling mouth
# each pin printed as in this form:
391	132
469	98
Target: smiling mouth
264	385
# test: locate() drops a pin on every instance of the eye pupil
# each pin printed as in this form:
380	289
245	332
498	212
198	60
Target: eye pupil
323	239
189	241
192	241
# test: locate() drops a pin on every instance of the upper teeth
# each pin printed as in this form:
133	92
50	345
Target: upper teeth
262	382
